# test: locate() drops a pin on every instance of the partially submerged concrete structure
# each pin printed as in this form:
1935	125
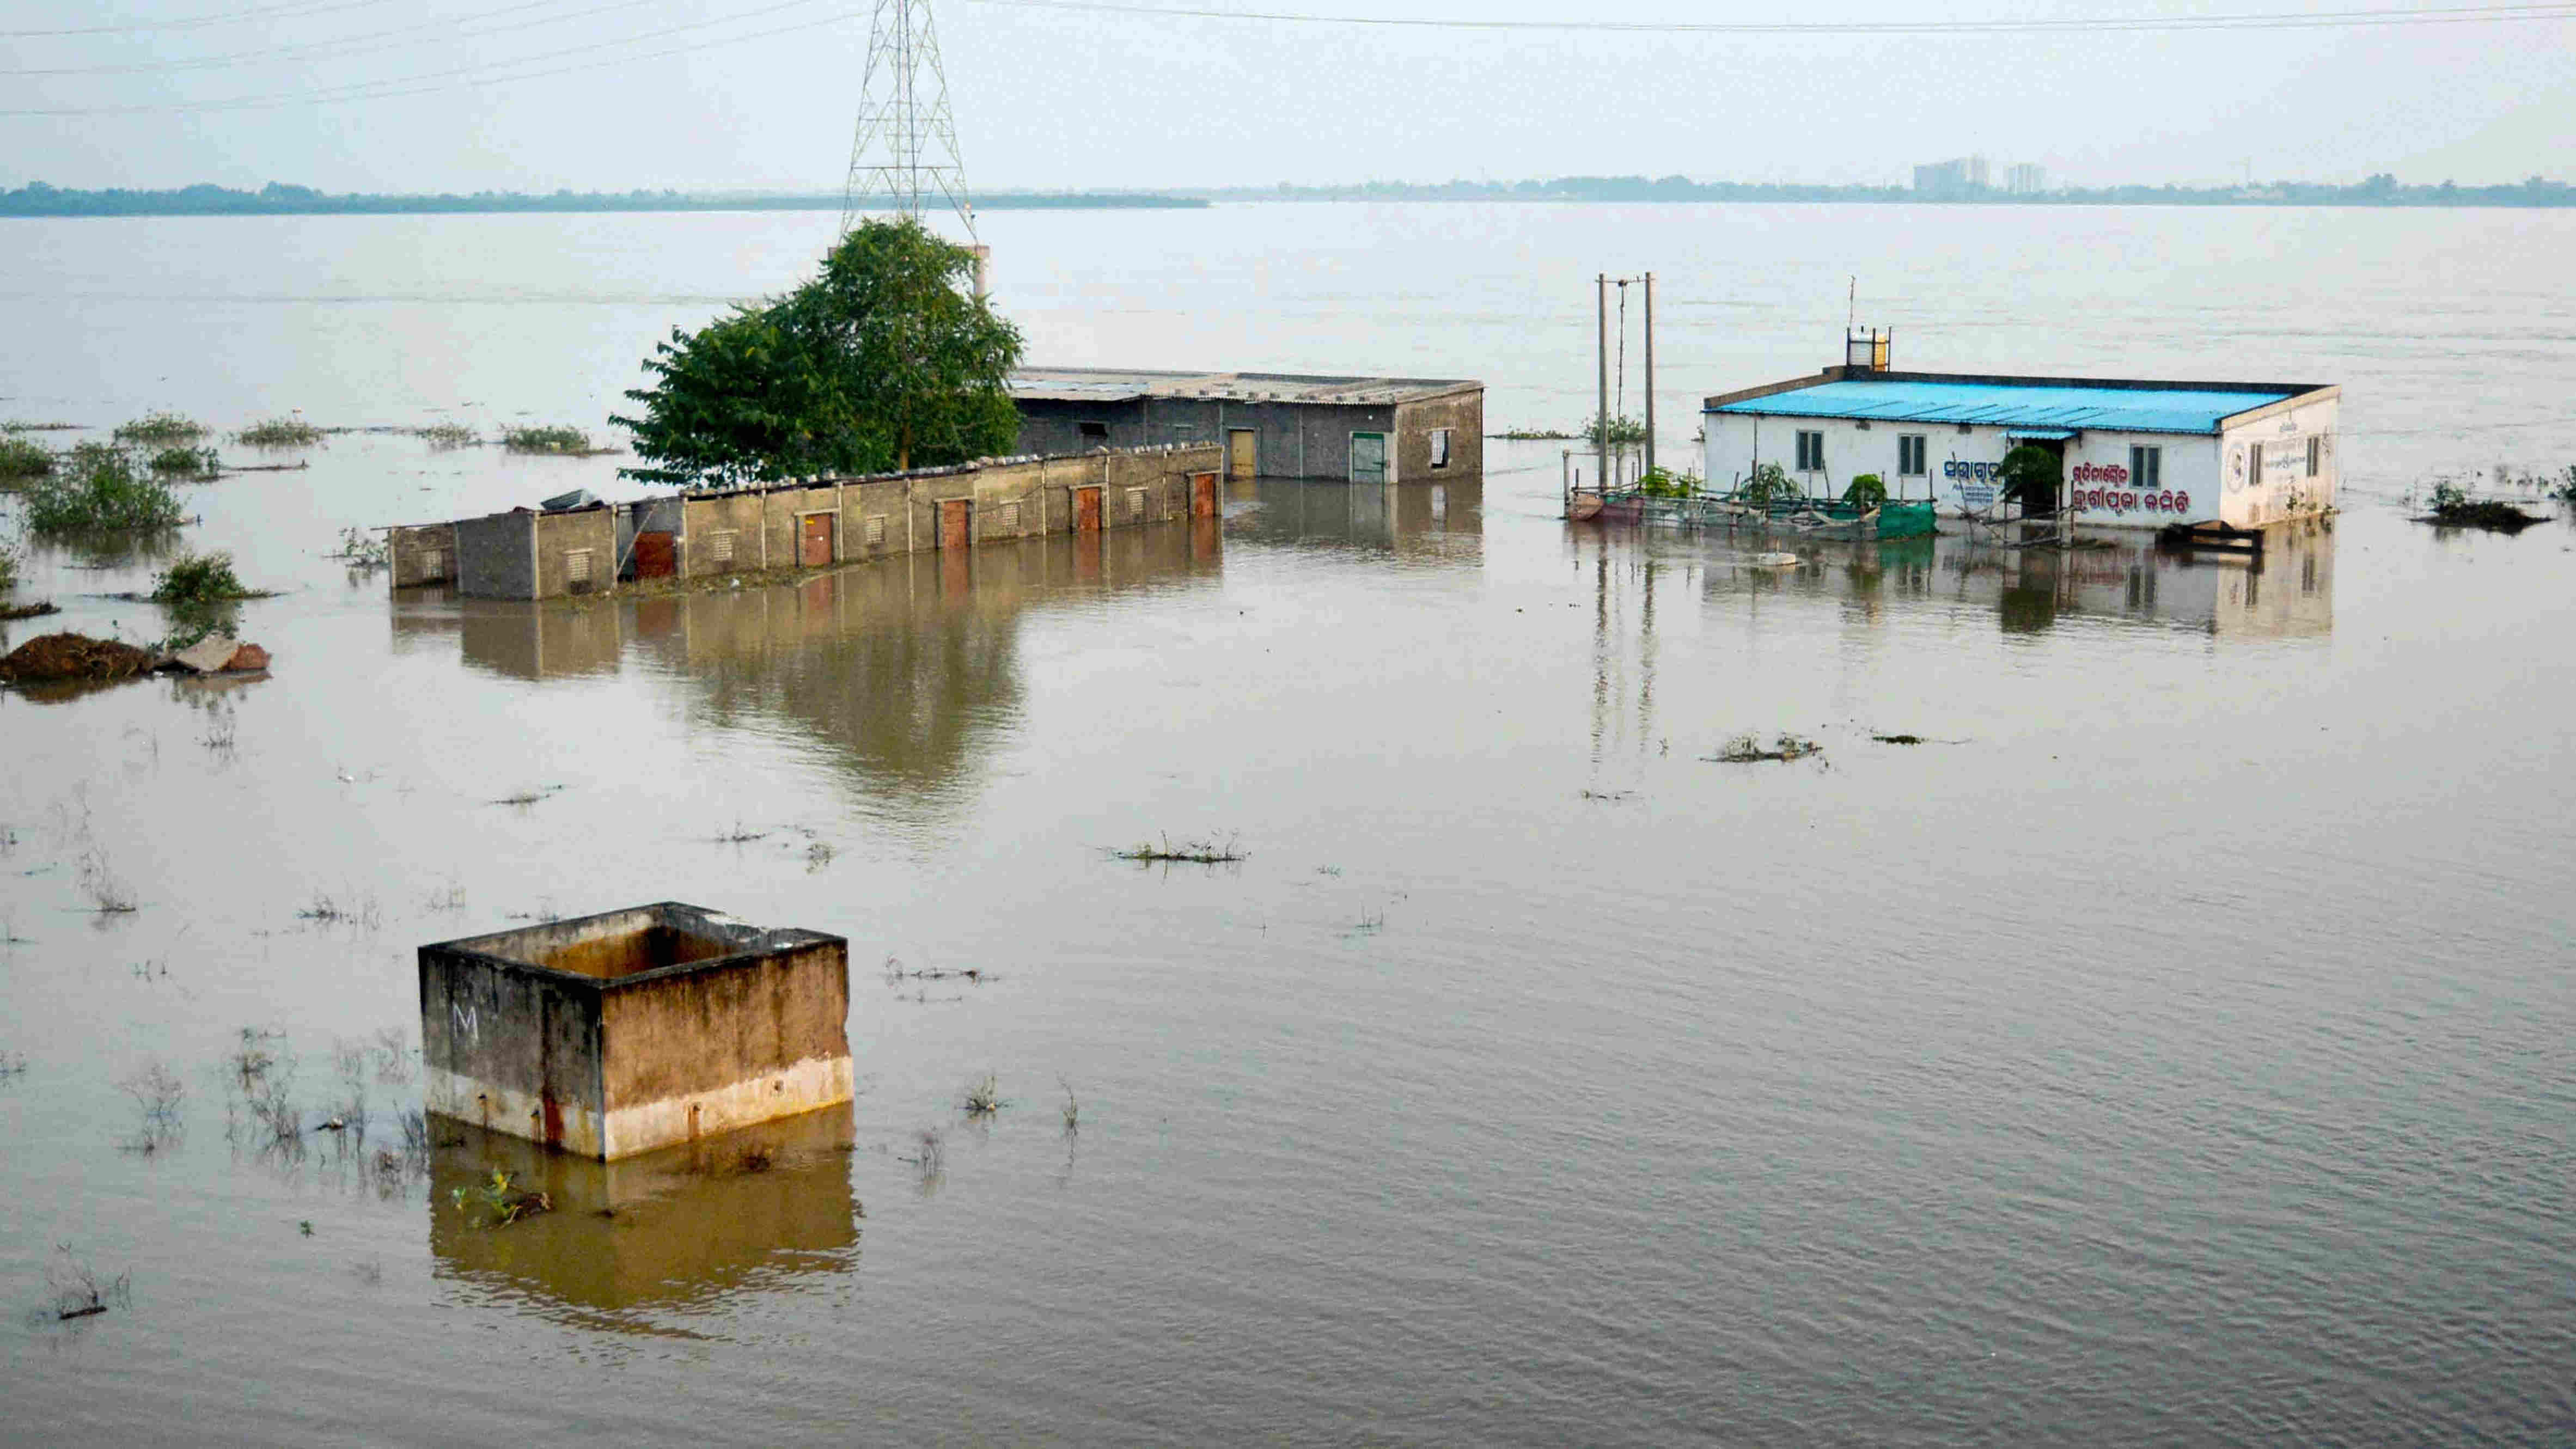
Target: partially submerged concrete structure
1272	424
619	1033
526	554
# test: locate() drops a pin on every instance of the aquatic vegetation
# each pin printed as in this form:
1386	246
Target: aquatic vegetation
23	458
1665	483
1196	852
363	549
1623	431
98	490
159	429
158	1094
557	438
984	1096
2455	506
1868	490
287	432
498	1204
199	579
194	462
1527	435
1747	749
448	435
78	1290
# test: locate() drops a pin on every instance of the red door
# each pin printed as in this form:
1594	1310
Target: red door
1202	495
816	550
952	523
656	556
1086	510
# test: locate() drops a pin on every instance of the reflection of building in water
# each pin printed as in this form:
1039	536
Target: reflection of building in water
657	1234
2287	592
1443	520
907	667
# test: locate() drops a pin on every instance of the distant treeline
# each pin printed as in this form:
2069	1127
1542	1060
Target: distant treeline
2380	190
277	199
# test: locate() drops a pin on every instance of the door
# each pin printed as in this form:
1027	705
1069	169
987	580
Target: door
1202	495
814	542
657	555
1086	510
1242	453
1368	457
952	523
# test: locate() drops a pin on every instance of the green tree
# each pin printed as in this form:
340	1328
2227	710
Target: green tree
2032	474
882	361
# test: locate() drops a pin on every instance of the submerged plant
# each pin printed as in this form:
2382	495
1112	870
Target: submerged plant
497	1203
198	579
23	458
288	432
448	435
557	438
194	462
98	489
161	428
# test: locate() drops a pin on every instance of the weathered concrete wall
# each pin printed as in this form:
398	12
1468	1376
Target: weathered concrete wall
562	536
623	1032
1291	439
1462	414
495	557
422	554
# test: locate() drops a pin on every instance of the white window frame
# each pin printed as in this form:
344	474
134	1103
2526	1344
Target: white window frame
1440	447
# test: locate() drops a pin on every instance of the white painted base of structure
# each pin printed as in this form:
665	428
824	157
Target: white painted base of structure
811	1083
499	1109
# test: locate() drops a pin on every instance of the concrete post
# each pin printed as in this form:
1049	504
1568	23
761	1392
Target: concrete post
1650	372
1601	408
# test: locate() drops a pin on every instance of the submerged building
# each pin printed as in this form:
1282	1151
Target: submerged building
1272	424
2133	453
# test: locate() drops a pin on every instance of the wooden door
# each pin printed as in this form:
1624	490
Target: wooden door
1242	453
1202	495
1086	510
814	544
952	523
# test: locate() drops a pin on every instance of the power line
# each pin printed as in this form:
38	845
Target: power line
2287	20
200	22
449	79
345	45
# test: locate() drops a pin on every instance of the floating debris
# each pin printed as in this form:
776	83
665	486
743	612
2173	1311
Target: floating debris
1746	749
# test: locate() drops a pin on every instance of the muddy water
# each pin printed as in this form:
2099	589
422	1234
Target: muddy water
2170	1046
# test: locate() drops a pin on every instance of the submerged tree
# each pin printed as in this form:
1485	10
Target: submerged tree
883	361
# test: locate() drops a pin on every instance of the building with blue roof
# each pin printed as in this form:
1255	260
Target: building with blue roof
2133	453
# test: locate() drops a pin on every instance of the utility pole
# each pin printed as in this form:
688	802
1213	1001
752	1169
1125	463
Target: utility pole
1650	372
1601	354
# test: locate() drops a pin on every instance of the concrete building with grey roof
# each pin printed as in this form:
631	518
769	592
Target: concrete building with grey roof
1272	424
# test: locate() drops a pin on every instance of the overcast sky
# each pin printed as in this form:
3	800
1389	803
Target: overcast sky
1075	98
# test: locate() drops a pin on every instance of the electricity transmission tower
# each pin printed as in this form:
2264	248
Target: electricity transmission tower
906	145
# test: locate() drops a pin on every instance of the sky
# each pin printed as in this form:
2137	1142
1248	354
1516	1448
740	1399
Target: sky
536	95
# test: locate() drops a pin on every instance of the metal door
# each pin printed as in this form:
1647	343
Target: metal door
657	555
815	549
1368	457
1242	453
952	523
1202	495
1086	510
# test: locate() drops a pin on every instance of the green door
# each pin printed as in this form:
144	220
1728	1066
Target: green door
1368	457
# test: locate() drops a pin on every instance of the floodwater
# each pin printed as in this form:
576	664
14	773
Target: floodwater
2171	1047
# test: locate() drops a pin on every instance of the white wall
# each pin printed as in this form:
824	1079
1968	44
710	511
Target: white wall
2287	490
1960	465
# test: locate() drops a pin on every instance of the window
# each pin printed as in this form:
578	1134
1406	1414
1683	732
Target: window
2254	467
1909	455
1440	448
1811	452
433	563
1095	433
2146	467
2316	452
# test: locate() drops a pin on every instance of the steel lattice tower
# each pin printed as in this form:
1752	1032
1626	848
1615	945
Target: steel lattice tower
906	144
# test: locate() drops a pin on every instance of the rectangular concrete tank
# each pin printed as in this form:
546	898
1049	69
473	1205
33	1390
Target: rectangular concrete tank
620	1033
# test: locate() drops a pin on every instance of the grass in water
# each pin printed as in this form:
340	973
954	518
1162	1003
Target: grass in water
97	488
23	458
288	432
193	462
448	435
1196	852
200	578
161	429
556	438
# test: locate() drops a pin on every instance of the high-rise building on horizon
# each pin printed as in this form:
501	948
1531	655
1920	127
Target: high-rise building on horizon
1965	176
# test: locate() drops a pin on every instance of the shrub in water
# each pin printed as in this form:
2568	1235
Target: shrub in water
450	435
161	428
97	488
23	457
195	462
279	433
199	578
554	439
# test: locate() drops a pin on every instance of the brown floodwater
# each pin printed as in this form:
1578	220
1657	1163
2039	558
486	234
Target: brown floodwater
2170	1045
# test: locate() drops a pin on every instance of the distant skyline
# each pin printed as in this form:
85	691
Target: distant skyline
1093	99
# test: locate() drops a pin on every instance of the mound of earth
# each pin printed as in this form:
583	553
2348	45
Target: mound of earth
49	657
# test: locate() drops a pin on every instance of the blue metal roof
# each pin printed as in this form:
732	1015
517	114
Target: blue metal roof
2032	405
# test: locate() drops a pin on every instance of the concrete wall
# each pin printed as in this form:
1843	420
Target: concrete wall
495	556
423	554
591	531
2281	433
623	1032
1463	414
1292	439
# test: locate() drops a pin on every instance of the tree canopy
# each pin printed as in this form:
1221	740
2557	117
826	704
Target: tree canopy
884	360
